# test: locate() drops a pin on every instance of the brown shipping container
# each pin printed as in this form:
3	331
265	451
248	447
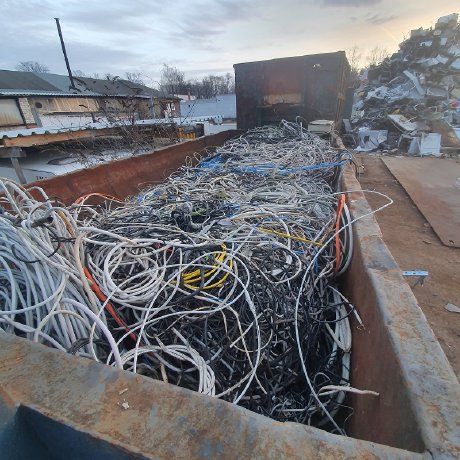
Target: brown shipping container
312	87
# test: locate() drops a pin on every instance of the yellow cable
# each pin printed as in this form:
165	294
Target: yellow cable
195	275
218	283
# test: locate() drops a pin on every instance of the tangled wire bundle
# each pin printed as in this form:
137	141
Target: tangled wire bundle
220	280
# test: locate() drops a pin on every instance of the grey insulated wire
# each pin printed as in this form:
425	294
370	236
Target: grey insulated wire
223	279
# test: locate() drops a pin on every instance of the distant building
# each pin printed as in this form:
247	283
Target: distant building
186	97
223	105
29	100
311	87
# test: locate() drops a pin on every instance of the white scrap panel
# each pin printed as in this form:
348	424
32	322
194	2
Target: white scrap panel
430	144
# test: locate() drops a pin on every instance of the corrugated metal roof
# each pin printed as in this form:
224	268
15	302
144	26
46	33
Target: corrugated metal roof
224	105
25	92
117	87
61	82
29	81
13	83
89	126
33	131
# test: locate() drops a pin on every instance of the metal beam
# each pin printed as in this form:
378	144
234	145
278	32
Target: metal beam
49	138
61	38
19	171
13	152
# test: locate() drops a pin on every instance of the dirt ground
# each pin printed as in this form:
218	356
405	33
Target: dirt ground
415	246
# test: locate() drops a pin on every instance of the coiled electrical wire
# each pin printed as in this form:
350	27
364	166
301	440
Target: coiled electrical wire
221	280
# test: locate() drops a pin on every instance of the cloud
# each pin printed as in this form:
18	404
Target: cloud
349	3
120	18
197	36
209	19
378	20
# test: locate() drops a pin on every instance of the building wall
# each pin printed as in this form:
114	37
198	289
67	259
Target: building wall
80	111
59	112
26	112
224	105
51	105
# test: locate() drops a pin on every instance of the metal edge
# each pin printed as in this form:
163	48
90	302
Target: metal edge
162	420
429	380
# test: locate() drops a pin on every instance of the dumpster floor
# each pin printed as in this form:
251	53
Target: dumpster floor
415	246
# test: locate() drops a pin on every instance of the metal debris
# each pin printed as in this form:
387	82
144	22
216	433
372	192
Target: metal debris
452	308
414	94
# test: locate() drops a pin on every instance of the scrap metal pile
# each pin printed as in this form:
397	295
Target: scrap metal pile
221	280
411	101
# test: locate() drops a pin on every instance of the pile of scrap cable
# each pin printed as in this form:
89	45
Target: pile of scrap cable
222	279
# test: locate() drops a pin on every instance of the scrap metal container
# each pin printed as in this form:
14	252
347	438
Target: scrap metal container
311	86
54	405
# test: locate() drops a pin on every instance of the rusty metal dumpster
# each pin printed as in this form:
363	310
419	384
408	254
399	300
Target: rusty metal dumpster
311	86
53	405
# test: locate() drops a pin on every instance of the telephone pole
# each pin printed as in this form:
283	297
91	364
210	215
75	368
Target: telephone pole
65	53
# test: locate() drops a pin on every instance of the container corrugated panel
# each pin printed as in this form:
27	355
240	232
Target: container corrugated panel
312	87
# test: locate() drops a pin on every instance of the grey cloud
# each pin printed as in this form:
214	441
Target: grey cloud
100	37
376	19
240	9
85	53
208	70
212	18
349	3
124	18
121	35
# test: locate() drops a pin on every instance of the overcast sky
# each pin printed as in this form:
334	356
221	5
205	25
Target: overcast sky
201	36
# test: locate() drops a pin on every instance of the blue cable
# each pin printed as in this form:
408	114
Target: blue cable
215	163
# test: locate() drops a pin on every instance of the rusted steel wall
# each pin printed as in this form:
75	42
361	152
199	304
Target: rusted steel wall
54	405
396	353
129	176
312	87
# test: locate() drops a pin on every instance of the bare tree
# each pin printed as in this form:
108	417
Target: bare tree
230	80
78	73
211	86
172	80
32	66
134	77
377	55
354	56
